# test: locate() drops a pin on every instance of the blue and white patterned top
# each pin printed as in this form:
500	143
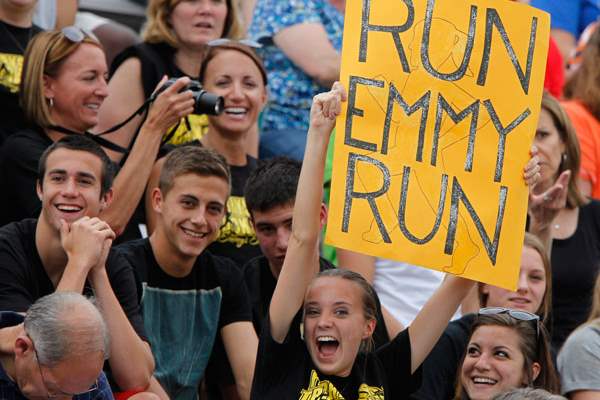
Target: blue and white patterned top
290	89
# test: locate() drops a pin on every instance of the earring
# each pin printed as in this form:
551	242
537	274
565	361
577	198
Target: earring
51	101
564	157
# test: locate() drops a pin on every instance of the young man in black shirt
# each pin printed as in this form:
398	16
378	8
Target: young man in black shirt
68	249
270	193
189	295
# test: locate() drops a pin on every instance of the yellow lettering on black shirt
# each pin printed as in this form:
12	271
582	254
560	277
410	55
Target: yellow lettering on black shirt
238	229
190	128
10	71
325	390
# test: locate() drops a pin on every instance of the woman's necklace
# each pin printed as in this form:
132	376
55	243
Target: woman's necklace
14	39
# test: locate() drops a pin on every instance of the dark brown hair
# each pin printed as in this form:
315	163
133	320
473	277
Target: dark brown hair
534	348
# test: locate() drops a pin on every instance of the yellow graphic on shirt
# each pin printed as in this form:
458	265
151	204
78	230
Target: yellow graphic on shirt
324	390
10	71
238	229
193	127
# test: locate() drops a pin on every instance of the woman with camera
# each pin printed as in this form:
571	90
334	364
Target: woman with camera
175	38
230	69
62	88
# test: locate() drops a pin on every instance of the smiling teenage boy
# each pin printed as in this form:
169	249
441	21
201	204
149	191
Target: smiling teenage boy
68	249
190	295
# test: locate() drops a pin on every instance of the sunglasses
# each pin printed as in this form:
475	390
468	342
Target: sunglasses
225	41
516	314
76	34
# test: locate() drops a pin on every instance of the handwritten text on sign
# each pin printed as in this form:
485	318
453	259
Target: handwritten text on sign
444	98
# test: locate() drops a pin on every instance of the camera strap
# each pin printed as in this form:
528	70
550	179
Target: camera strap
97	137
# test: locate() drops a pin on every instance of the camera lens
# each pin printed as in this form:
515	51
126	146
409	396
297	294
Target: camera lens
208	103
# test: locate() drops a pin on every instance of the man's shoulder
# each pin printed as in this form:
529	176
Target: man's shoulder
255	265
223	270
210	261
10	318
133	248
27	138
17	234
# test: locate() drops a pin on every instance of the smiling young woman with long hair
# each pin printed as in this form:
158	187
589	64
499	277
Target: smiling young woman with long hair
507	349
533	294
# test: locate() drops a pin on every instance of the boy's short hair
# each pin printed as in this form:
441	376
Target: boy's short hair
273	183
80	143
192	159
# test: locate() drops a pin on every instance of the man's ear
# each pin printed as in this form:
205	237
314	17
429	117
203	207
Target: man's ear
157	200
23	346
106	199
38	189
323	215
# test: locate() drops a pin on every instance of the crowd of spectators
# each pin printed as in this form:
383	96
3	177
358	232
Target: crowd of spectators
192	225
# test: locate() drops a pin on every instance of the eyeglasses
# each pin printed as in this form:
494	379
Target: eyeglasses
59	393
516	314
226	41
76	34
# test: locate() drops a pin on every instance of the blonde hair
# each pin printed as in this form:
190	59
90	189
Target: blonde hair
158	28
44	56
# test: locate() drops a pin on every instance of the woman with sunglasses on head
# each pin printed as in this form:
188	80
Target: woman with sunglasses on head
329	357
63	86
175	38
533	294
579	359
567	222
507	349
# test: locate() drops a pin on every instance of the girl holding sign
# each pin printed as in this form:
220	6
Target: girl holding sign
327	358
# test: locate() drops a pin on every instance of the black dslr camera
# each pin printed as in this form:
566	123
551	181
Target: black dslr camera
205	102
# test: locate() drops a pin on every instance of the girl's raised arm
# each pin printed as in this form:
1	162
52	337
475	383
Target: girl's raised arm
301	262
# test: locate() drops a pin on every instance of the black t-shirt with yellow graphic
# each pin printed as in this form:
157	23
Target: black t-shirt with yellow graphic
156	61
13	42
237	239
286	371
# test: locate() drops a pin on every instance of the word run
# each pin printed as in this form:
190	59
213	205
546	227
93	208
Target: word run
492	21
